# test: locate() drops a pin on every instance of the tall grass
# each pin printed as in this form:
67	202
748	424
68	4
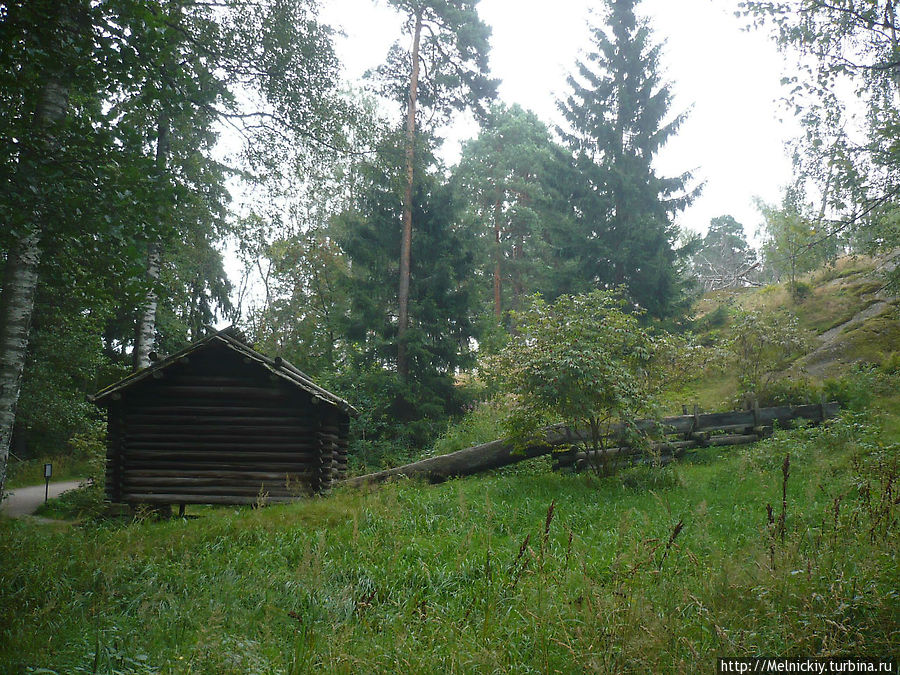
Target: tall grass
532	573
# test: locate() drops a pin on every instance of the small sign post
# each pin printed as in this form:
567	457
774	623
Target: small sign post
48	471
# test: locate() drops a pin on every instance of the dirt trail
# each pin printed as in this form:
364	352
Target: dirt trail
25	500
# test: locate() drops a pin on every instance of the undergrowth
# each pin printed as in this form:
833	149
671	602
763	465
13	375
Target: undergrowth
536	572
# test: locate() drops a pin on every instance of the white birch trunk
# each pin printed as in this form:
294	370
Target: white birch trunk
19	286
20	280
146	326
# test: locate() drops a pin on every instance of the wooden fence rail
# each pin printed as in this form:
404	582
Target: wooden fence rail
676	435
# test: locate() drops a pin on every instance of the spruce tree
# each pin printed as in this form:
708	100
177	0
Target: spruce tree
618	117
407	407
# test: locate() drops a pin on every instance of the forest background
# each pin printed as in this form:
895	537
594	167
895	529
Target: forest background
385	274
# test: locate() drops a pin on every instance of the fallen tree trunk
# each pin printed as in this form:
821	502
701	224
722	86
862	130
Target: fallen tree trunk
698	428
474	460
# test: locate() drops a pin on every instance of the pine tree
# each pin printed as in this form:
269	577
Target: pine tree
507	178
444	70
618	117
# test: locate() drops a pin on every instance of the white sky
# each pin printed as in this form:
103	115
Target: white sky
728	78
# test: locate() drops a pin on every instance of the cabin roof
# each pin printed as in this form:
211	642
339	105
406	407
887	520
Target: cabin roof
228	337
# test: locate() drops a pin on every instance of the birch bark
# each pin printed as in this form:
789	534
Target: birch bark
20	278
146	326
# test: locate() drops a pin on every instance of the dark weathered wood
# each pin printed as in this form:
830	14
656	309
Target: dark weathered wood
213	481
676	447
263	443
218	426
224	417
244	465
176	459
214	391
112	481
466	462
140	497
245	438
235	489
134	474
194	427
218	410
501	452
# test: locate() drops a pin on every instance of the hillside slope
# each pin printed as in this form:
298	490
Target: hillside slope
844	311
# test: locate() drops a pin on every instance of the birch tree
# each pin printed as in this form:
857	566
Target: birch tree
48	46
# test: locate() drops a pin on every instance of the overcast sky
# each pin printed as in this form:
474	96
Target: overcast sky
728	78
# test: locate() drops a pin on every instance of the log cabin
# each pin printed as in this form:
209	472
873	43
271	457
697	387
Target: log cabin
220	423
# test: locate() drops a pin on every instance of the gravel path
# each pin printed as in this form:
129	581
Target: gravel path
25	500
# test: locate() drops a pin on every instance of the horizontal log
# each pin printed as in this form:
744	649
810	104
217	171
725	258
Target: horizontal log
236	431
138	497
215	482
783	415
213	473
199	443
240	467
223	418
213	410
743	428
162	390
220	491
195	436
676	447
466	462
257	458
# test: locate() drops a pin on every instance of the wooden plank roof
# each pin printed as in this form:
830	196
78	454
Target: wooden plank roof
228	337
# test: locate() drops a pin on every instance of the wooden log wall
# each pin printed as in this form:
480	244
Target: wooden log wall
233	437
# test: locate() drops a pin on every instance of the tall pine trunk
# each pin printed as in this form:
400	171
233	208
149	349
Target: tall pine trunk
20	278
498	256
146	325
406	240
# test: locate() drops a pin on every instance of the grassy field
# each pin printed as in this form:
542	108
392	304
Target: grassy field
787	547
653	570
31	472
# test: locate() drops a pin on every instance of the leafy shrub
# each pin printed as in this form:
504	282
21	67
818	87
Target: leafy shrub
890	363
582	360
762	343
801	291
788	392
714	319
854	390
483	422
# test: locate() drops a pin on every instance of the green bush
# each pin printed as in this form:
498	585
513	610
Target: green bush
761	344
714	319
788	392
855	390
890	363
801	291
482	422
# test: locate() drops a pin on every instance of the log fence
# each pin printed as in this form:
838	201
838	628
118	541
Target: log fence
675	436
